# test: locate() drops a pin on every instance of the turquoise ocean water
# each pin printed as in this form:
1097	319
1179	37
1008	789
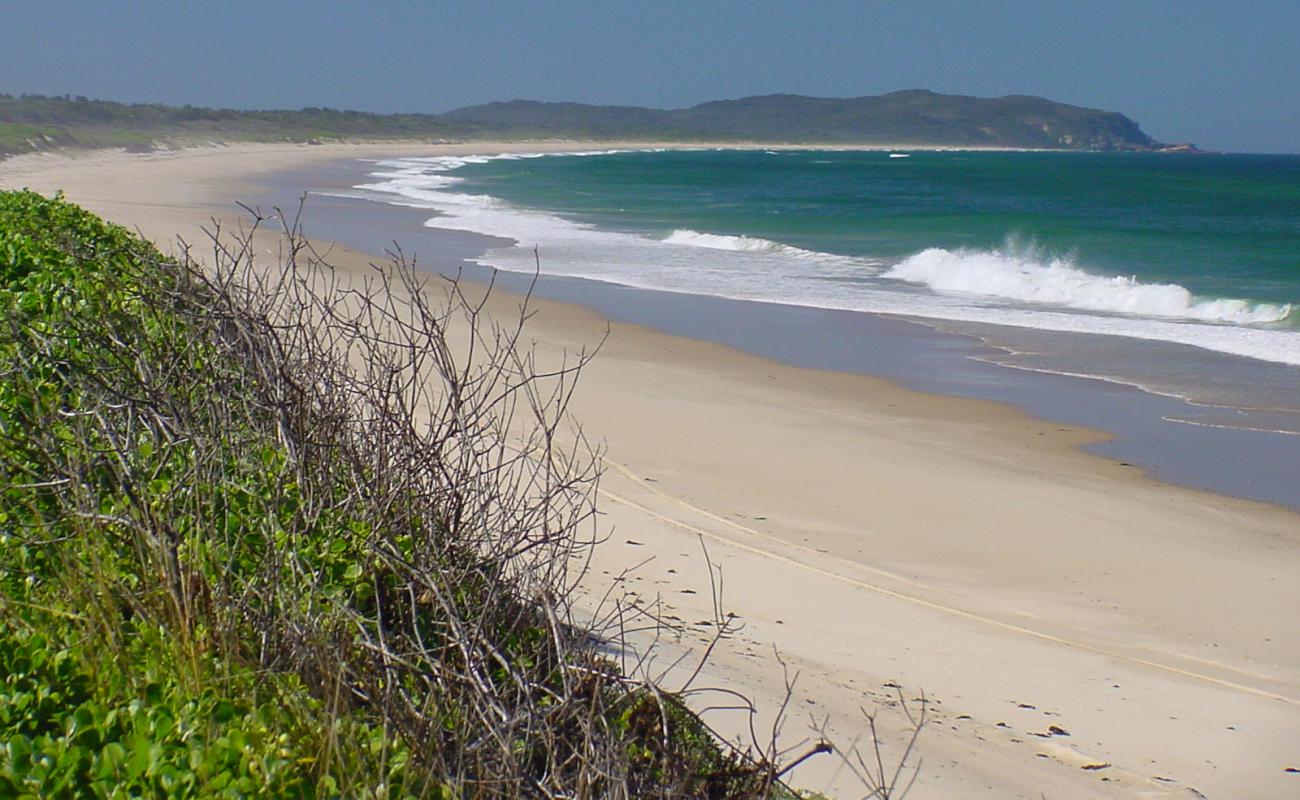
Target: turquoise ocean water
1177	273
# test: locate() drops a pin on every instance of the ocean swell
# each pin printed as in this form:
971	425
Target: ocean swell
1031	278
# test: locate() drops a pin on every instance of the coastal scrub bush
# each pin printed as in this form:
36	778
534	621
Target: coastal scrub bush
265	532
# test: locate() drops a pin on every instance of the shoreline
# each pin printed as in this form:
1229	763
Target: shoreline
958	546
866	343
473	146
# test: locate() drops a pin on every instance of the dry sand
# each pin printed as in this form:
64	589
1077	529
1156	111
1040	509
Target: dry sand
876	537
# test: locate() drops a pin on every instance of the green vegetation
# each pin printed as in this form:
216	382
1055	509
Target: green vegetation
251	547
911	117
16	138
79	122
34	122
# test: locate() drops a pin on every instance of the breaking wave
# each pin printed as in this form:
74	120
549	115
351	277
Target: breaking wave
1032	278
742	244
714	241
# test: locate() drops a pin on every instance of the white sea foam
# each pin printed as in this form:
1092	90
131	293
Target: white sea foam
1011	287
1031	278
716	241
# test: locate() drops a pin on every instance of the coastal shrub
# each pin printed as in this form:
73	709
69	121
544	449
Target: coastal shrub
264	533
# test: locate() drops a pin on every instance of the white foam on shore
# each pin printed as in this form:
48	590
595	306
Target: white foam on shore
994	287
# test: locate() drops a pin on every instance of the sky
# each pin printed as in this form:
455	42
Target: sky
1224	75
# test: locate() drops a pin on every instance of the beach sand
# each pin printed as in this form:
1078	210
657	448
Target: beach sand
875	538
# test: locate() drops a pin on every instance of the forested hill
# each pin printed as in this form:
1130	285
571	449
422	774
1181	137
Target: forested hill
910	117
915	117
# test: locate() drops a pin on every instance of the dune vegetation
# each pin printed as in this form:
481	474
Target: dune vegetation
262	534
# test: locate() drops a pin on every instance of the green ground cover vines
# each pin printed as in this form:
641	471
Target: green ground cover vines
108	689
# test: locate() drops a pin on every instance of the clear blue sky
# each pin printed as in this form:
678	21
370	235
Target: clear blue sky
1225	75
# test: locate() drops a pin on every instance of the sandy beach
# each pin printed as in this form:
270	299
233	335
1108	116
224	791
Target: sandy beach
1078	629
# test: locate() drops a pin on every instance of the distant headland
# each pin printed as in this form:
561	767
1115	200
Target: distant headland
914	117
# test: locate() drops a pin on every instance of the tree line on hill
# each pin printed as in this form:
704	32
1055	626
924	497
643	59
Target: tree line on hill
914	117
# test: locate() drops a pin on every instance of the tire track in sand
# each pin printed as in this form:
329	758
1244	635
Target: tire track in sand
902	596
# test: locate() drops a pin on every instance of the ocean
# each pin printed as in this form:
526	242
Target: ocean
1177	274
1197	250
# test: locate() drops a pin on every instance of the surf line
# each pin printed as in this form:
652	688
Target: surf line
860	584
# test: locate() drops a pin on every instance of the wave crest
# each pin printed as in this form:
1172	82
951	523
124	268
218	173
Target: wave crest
715	241
748	244
1057	281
